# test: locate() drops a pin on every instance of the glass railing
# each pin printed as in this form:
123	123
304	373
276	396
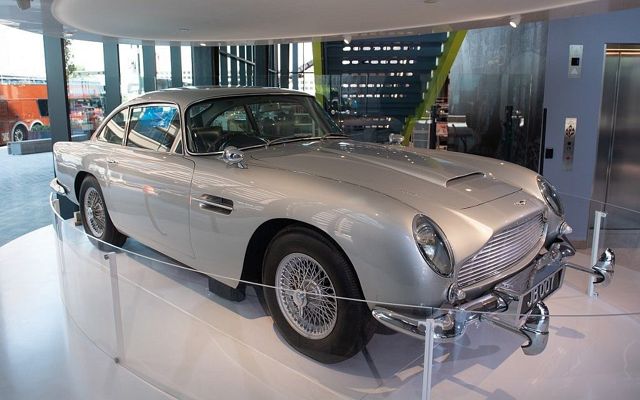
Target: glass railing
158	319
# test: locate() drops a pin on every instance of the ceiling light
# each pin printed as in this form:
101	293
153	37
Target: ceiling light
203	44
514	21
431	1
68	34
184	29
347	39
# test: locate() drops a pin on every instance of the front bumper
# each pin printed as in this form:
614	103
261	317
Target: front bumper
514	304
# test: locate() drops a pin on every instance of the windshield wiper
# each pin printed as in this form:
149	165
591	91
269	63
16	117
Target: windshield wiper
305	136
293	137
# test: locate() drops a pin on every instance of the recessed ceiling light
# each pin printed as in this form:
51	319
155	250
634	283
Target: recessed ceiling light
515	21
184	29
347	39
68	34
203	44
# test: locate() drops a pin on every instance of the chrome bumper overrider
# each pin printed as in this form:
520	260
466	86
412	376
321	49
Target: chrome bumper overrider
57	187
504	304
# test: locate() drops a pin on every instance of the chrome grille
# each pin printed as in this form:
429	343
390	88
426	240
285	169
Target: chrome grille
502	251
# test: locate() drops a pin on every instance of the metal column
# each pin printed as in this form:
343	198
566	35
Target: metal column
284	65
176	66
58	103
262	65
112	97
149	67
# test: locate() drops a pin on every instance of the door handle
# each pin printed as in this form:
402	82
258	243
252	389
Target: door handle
214	203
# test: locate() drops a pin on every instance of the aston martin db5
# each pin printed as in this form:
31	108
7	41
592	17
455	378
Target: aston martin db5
258	185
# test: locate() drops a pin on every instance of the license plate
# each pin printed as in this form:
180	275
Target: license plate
542	290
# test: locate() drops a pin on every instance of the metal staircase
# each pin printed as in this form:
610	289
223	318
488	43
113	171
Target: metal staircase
385	80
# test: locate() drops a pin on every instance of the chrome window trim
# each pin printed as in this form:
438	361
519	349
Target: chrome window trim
151	104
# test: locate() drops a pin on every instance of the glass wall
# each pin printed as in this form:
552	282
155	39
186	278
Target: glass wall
23	85
163	67
131	71
85	79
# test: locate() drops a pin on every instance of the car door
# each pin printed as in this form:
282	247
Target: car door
150	183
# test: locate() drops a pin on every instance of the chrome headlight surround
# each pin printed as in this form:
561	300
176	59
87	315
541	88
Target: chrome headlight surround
551	197
433	245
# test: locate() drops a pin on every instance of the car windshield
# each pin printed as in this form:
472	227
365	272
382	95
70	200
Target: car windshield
244	122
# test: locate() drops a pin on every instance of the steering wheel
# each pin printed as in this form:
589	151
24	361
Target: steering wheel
238	140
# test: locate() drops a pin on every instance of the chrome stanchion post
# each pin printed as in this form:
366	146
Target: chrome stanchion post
428	358
115	297
595	243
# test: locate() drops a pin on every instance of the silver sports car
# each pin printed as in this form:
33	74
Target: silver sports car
259	185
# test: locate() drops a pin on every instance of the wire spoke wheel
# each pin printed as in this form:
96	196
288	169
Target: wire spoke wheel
94	212
306	296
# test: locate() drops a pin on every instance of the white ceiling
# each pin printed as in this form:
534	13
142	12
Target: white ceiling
252	21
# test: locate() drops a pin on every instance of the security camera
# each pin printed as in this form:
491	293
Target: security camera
24	4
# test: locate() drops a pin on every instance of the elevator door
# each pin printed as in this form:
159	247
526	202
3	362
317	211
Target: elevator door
618	170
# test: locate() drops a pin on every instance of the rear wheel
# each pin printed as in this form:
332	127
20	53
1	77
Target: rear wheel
95	217
311	276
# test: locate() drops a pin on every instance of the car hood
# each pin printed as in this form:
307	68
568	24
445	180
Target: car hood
416	179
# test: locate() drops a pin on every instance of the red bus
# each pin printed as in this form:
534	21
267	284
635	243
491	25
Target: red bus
24	107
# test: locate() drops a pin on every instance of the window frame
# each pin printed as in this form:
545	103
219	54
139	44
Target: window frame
98	132
178	138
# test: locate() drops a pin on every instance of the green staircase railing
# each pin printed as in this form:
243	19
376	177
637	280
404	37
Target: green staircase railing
438	79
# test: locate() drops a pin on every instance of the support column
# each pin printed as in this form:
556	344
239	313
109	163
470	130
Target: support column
176	66
57	103
234	66
224	71
262	65
243	66
113	97
205	62
294	65
149	67
284	66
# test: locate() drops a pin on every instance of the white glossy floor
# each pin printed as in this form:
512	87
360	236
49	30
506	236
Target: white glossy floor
196	346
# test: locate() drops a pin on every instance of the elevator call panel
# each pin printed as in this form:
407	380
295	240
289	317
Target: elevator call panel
570	125
575	61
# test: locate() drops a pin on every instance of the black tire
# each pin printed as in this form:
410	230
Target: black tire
20	133
109	233
354	325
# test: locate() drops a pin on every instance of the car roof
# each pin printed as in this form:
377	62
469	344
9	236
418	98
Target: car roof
187	95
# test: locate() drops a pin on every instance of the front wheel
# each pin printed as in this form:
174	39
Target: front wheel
95	217
20	133
312	279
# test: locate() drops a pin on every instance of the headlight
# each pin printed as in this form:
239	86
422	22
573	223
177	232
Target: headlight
433	245
551	196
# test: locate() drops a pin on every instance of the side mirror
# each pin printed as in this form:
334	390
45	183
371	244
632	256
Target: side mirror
396	138
233	156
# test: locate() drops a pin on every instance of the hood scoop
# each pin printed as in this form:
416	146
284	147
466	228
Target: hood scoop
458	180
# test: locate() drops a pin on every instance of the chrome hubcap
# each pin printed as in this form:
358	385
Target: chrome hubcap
94	212
306	296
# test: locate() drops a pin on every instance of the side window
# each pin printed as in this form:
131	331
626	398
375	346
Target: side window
154	127
113	131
